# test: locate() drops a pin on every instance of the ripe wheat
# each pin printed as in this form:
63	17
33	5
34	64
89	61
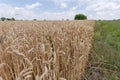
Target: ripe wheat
44	50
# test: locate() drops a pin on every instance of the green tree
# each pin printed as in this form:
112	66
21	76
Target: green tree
80	17
3	18
8	19
13	19
34	19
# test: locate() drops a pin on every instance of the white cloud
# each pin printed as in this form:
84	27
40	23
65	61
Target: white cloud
63	5
60	3
96	9
34	5
103	6
58	15
102	9
25	12
6	10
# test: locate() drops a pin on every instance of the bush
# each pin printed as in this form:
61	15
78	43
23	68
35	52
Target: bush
80	17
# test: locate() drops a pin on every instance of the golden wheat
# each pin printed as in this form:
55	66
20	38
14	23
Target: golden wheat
44	50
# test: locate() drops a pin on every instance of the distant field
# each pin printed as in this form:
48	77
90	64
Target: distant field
44	50
104	62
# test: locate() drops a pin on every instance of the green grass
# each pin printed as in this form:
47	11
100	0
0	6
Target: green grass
104	61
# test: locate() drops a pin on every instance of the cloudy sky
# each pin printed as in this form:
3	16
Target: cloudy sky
60	9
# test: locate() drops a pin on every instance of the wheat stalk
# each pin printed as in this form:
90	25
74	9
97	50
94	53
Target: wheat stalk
4	64
1	78
45	73
24	57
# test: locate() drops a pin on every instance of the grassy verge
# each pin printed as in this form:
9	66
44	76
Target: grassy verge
104	61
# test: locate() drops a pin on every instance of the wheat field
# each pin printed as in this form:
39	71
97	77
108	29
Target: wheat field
44	50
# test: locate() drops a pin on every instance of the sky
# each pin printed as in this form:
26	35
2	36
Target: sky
60	9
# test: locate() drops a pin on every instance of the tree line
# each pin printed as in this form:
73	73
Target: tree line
76	17
7	19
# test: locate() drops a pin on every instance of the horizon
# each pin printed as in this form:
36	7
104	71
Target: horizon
58	10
